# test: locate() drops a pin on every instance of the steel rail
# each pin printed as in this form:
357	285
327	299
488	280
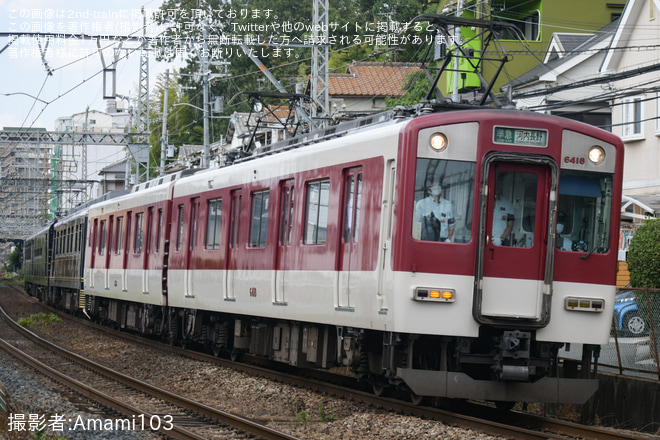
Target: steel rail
233	420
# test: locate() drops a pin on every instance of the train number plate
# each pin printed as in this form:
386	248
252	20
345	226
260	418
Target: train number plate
520	136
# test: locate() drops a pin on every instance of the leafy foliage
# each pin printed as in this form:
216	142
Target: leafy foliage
187	23
644	256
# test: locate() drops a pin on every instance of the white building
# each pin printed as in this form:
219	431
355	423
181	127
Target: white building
76	187
635	56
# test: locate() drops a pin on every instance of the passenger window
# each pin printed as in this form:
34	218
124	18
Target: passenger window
139	218
259	218
286	213
179	228
213	224
316	212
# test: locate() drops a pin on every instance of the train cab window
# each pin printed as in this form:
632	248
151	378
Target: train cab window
316	212
514	209
259	218
444	192
137	245
179	228
583	216
214	210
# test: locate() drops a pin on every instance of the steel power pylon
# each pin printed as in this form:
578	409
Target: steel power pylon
319	75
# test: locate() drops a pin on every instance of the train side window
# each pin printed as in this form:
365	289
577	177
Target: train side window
192	239
213	217
286	213
317	196
352	200
137	244
259	218
92	240
443	207
235	219
102	237
119	235
179	228
159	229
69	249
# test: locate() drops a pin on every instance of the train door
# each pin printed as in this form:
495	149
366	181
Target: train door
147	250
284	239
92	245
192	245
127	251
517	258
108	253
349	248
386	234
233	243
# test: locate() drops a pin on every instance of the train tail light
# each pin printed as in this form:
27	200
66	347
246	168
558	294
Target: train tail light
584	304
433	294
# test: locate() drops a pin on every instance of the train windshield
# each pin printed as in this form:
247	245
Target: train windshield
443	200
583	216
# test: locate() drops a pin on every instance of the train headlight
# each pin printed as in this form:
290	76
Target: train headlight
433	294
438	141
596	154
584	304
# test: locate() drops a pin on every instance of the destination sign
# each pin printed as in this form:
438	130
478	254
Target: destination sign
520	136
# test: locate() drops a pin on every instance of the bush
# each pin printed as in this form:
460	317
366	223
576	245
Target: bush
644	256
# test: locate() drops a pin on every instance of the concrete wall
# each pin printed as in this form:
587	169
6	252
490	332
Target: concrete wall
625	403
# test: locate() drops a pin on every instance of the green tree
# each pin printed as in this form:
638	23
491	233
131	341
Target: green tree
15	258
644	255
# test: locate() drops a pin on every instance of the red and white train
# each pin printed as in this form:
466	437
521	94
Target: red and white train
322	251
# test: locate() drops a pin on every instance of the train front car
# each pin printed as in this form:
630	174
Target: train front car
505	244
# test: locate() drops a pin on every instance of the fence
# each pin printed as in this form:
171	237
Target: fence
634	338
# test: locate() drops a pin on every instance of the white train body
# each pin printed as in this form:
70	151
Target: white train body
321	253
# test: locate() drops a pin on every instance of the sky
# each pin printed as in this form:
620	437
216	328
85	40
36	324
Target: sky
29	96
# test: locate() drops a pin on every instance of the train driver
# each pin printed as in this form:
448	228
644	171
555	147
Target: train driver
503	217
563	242
435	215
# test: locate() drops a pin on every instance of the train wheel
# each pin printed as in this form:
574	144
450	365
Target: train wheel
235	355
216	351
415	399
379	388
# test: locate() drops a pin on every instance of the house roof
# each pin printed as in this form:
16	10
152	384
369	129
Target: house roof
563	43
628	19
548	71
371	79
117	167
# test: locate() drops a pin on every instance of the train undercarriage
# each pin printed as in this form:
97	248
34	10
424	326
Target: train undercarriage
501	365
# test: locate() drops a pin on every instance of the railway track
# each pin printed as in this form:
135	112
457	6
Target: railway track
142	406
474	417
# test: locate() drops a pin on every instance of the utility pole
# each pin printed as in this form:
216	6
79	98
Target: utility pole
163	137
320	77
457	59
143	95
